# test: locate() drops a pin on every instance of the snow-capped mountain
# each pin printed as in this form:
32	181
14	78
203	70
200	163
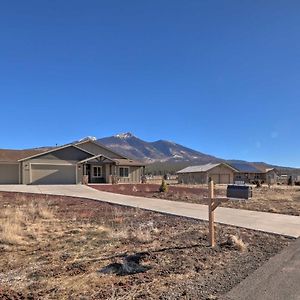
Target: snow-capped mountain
158	151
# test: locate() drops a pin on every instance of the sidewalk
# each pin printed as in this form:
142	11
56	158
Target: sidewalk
262	221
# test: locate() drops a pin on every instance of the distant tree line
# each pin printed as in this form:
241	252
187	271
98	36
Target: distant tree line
163	168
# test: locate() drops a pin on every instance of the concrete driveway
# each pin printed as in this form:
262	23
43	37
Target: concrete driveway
267	222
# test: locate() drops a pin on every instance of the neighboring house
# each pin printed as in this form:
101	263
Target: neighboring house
68	164
250	173
220	173
247	172
226	173
271	176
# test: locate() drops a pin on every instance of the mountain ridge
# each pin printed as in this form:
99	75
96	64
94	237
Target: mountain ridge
133	147
167	155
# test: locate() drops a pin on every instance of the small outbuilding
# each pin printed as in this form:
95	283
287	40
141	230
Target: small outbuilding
220	173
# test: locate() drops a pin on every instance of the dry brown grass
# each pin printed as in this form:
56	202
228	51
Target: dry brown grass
17	223
67	241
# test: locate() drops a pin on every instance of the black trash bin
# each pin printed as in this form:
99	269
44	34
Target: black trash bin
239	191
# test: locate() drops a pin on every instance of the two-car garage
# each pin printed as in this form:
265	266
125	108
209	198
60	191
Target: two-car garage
52	174
39	173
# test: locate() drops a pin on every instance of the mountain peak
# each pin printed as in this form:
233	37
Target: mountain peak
125	135
159	151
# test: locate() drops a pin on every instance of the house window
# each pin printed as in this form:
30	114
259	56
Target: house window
97	171
124	172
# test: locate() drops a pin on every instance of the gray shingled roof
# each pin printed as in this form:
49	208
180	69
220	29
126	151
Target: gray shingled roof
196	169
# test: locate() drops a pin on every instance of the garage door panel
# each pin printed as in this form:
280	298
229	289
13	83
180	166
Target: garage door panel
225	179
53	174
220	178
9	173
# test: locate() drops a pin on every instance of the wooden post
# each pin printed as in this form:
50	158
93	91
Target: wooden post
211	213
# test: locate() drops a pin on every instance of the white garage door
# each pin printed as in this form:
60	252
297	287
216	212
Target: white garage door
53	174
9	173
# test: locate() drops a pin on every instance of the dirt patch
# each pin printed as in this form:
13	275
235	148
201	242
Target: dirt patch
277	199
58	254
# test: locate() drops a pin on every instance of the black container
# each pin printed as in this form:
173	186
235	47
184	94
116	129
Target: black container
239	191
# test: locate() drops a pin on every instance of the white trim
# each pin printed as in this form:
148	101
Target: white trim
101	171
76	173
53	164
30	175
94	157
54	149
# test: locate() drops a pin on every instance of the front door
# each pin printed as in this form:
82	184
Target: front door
88	172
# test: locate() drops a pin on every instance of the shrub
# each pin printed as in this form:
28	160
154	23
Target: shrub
163	187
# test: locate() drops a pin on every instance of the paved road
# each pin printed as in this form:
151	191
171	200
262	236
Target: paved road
278	279
267	222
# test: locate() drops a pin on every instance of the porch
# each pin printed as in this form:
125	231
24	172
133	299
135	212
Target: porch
98	169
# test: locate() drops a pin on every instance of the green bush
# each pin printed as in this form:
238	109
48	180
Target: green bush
163	187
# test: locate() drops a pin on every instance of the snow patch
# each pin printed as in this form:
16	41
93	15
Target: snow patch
125	135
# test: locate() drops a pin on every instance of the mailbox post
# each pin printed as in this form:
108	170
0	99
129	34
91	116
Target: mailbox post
211	214
234	193
212	205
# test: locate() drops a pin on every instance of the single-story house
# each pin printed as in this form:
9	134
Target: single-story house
251	173
227	173
246	172
77	162
220	173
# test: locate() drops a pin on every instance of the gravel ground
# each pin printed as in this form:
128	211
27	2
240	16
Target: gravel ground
63	242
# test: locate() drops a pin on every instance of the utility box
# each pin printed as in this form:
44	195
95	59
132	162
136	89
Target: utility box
239	192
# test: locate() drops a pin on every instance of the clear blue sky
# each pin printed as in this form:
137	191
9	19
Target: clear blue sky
222	77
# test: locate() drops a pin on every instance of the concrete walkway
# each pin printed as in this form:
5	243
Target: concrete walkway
267	222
